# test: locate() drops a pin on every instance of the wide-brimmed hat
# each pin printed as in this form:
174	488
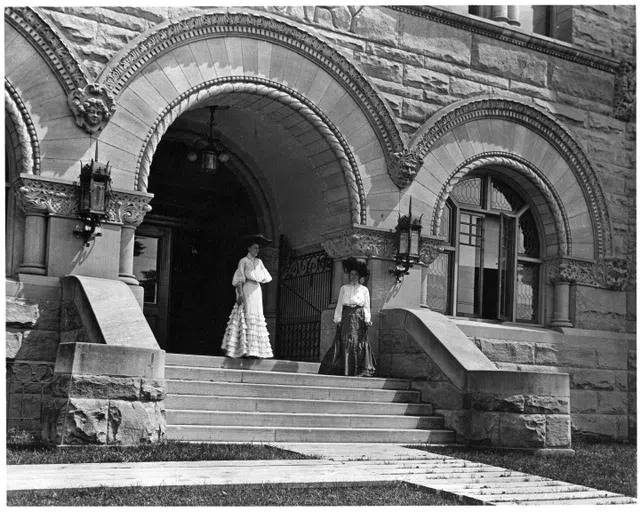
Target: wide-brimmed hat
256	238
353	264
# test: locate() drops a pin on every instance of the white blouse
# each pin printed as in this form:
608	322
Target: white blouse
352	295
251	269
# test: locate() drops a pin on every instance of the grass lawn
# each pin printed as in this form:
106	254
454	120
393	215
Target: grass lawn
606	466
39	453
397	494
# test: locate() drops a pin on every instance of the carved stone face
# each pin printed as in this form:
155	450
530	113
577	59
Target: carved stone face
94	114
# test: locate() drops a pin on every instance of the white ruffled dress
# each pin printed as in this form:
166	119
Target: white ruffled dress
246	334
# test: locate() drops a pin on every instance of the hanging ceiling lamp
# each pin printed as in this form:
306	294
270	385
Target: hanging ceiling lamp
214	152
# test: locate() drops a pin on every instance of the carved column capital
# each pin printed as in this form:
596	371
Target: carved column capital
430	249
92	107
607	273
39	195
359	241
129	208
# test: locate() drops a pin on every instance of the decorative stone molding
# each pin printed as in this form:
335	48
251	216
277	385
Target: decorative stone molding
404	167
607	273
431	248
165	37
359	241
61	58
625	86
128	207
543	124
19	115
275	91
521	165
35	194
530	41
92	106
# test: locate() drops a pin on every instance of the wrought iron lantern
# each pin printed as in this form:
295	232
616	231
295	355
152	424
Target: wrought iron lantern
95	189
408	241
214	152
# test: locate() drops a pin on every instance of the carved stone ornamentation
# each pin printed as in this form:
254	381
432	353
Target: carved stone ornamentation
128	208
92	106
404	167
613	273
39	195
607	273
625	85
359	241
26	131
430	250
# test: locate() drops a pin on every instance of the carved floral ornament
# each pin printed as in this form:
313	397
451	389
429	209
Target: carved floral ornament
39	195
609	273
363	242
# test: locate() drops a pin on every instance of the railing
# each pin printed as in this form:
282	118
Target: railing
28	390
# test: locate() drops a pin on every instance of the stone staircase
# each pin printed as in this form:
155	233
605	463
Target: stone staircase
251	400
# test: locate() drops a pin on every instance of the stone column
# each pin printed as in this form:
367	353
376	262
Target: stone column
126	263
35	245
561	312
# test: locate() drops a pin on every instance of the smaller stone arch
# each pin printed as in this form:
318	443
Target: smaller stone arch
275	91
25	130
523	168
491	113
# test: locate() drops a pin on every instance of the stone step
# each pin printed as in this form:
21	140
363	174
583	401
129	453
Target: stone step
192	387
285	405
610	500
307	435
256	419
278	377
265	365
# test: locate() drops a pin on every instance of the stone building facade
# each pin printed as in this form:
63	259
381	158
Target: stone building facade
513	141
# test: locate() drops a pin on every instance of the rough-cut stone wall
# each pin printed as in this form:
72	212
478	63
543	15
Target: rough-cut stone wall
605	29
602	378
32	339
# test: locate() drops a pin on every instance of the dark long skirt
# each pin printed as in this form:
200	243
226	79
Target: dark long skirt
351	353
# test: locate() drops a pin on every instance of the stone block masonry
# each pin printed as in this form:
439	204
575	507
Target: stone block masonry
485	405
103	394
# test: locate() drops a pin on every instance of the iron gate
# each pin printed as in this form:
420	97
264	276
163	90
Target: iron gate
305	291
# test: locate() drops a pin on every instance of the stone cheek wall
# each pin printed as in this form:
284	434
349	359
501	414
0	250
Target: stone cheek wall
32	338
602	379
527	420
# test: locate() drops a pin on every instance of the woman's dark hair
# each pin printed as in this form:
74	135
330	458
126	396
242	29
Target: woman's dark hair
353	264
261	240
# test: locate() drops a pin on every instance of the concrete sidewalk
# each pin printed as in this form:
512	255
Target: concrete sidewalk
341	464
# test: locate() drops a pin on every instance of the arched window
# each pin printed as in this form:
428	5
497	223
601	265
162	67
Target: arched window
491	265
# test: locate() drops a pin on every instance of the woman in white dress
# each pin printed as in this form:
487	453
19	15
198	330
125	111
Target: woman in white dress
351	352
246	334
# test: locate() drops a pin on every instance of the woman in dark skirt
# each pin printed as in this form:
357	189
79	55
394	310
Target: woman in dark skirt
351	353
